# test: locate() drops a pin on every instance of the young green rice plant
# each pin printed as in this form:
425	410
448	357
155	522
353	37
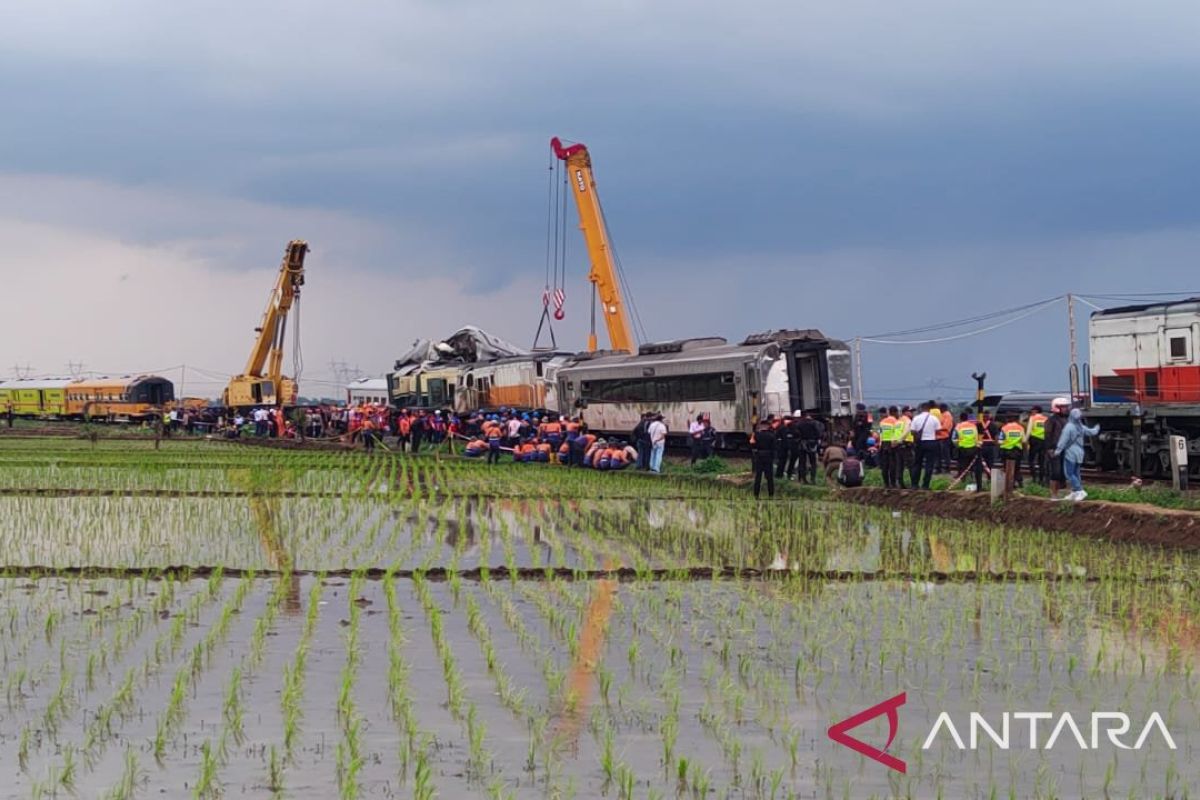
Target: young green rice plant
274	772
207	785
608	757
131	777
423	777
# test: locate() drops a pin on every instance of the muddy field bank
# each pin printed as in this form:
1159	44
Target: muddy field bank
1118	522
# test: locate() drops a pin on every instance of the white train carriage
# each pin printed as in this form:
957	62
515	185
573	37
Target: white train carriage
1146	354
1143	384
523	382
735	385
367	390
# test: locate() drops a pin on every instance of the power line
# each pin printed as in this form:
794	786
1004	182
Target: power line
965	321
1030	312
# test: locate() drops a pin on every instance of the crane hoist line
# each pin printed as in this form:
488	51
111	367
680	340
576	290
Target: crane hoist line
605	272
262	382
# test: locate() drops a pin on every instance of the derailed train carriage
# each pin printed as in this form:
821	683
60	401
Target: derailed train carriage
525	382
777	372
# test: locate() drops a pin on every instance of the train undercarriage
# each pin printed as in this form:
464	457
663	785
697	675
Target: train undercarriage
1130	442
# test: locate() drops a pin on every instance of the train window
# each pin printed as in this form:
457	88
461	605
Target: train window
678	389
1179	348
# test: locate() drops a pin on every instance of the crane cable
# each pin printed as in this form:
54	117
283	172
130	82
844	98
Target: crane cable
551	231
626	290
297	353
555	229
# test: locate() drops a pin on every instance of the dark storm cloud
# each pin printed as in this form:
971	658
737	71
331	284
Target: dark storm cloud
795	145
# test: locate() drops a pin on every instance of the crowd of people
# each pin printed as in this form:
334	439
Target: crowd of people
908	445
566	440
799	446
918	443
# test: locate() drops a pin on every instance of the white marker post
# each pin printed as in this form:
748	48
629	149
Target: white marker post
1179	463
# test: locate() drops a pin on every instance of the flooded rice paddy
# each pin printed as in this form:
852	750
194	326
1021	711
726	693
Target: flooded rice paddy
205	621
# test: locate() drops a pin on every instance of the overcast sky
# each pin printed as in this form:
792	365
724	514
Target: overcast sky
859	167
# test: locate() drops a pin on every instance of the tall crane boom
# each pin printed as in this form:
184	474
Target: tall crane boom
603	274
262	382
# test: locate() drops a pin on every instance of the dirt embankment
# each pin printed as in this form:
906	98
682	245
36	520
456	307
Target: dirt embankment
1118	522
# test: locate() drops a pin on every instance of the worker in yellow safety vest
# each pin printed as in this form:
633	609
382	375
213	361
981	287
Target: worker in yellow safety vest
905	439
1012	452
1035	437
889	447
965	437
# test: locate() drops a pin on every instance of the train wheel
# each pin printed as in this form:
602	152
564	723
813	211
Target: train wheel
1160	467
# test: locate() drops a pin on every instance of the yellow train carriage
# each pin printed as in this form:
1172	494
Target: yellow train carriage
415	386
35	397
130	398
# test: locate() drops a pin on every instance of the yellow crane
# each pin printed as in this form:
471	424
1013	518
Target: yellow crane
262	383
604	276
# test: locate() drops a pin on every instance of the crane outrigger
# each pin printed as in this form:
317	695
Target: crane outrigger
262	383
604	275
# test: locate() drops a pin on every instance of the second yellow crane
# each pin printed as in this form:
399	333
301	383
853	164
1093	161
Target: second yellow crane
604	274
262	383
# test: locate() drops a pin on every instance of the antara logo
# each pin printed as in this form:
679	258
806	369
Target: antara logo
889	707
1115	726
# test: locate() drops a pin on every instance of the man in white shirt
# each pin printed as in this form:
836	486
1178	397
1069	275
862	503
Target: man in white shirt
695	432
658	442
925	427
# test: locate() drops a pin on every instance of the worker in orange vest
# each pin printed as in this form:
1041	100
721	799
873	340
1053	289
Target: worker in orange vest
1012	451
368	434
943	437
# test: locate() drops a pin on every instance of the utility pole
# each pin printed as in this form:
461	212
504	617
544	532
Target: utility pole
858	375
1073	369
1071	324
21	373
75	368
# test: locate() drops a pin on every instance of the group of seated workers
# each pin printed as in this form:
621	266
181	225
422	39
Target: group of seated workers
577	448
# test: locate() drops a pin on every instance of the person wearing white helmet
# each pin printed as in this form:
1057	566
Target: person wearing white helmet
1054	424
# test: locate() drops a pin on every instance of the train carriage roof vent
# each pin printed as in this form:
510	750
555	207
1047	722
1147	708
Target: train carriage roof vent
680	345
784	335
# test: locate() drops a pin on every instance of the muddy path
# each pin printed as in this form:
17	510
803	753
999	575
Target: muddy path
1095	519
568	575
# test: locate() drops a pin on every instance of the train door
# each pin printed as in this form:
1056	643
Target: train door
155	394
752	397
1147	362
808	381
438	396
28	402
